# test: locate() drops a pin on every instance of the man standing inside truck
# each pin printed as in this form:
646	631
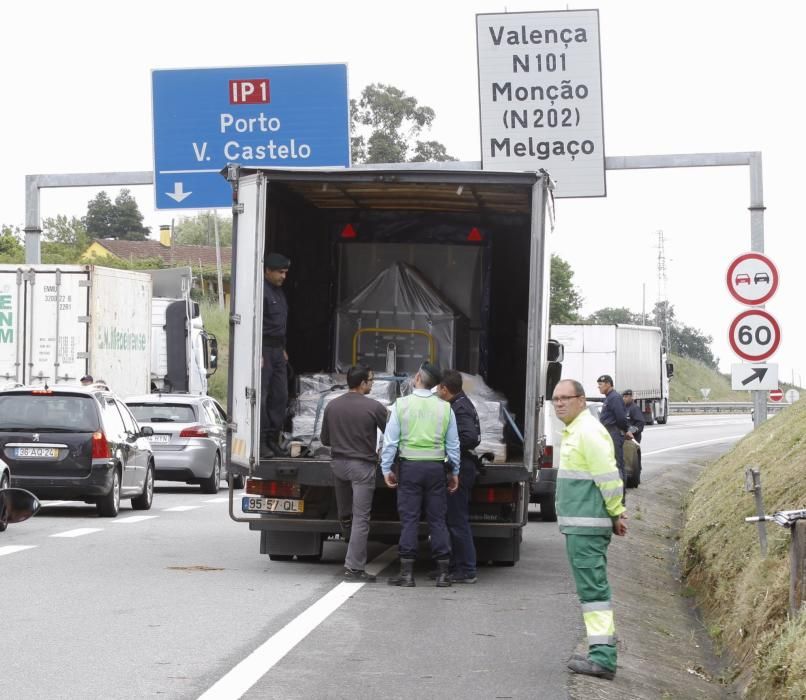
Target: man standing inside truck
613	417
350	428
423	427
274	367
463	551
589	512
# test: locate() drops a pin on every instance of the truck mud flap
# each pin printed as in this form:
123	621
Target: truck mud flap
499	551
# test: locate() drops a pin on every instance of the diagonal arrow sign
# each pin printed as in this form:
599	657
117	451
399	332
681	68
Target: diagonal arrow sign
179	192
758	375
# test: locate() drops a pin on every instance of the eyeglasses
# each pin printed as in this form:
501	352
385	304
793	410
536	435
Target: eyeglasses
565	399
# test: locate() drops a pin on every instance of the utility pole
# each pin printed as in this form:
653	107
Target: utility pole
663	299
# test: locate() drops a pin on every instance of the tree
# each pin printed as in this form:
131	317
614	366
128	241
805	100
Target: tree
610	315
565	299
200	230
64	240
11	248
683	340
384	125
121	220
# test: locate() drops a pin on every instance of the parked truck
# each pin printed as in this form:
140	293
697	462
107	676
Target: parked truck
61	322
183	354
477	237
633	355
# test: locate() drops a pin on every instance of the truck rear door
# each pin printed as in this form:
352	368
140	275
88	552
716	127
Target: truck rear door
245	334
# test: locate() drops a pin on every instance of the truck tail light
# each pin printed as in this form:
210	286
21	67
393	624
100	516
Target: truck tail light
194	431
100	447
493	494
547	458
272	489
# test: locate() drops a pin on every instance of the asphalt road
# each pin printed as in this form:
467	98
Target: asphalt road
178	603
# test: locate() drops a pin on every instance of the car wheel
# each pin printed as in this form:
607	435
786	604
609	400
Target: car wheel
210	484
109	506
3	485
145	499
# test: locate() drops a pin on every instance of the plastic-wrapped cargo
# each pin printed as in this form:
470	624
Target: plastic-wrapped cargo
317	390
489	405
399	316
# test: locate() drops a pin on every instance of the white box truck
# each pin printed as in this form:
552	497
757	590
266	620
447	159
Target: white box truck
633	355
479	238
183	354
61	322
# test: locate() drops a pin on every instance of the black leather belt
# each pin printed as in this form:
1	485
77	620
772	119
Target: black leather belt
274	341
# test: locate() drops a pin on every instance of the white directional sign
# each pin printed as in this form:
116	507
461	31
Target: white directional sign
756	375
792	395
754	335
540	97
752	279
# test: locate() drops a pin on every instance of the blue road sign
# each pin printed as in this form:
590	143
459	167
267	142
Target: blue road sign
280	116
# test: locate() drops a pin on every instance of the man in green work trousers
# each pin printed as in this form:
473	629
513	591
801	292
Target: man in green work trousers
589	512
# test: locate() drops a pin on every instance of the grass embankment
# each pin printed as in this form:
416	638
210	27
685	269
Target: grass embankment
745	597
216	321
691	375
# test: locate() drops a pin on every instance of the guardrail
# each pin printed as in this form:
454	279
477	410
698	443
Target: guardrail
720	407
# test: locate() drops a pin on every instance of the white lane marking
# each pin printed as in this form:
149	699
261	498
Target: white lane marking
218	500
695	444
179	509
11	548
78	532
134	519
241	678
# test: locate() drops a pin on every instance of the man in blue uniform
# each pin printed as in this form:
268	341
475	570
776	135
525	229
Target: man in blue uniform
635	417
423	427
614	418
274	369
463	551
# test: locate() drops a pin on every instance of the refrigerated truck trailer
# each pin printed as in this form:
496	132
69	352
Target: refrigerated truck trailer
61	322
633	355
480	238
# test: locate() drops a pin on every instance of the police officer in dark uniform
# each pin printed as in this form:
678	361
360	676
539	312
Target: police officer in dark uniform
463	551
274	369
614	418
635	417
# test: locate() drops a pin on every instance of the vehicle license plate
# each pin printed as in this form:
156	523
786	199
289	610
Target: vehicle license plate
162	437
35	452
255	504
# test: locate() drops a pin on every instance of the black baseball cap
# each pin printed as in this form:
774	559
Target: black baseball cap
277	261
627	392
605	378
434	371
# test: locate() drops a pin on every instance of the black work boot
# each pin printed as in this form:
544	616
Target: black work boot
443	577
406	576
273	443
590	668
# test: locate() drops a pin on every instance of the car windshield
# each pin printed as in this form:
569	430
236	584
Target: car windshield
43	412
162	412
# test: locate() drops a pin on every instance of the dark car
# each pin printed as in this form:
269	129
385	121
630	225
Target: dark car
77	444
761	277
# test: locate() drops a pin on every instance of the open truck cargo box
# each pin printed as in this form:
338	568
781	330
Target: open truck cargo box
474	239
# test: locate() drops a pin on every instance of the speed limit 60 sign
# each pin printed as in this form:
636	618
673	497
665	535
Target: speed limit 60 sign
754	335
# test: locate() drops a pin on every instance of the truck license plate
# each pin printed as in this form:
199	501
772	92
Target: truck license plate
253	504
50	452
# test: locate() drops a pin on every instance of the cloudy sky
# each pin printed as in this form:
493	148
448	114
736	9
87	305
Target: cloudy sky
684	77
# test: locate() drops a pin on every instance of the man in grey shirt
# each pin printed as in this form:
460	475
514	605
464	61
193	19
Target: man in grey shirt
350	428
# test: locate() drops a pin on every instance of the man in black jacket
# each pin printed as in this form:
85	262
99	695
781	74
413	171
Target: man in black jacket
614	418
463	554
274	367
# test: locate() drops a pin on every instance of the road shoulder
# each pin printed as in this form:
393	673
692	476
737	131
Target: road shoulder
664	651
